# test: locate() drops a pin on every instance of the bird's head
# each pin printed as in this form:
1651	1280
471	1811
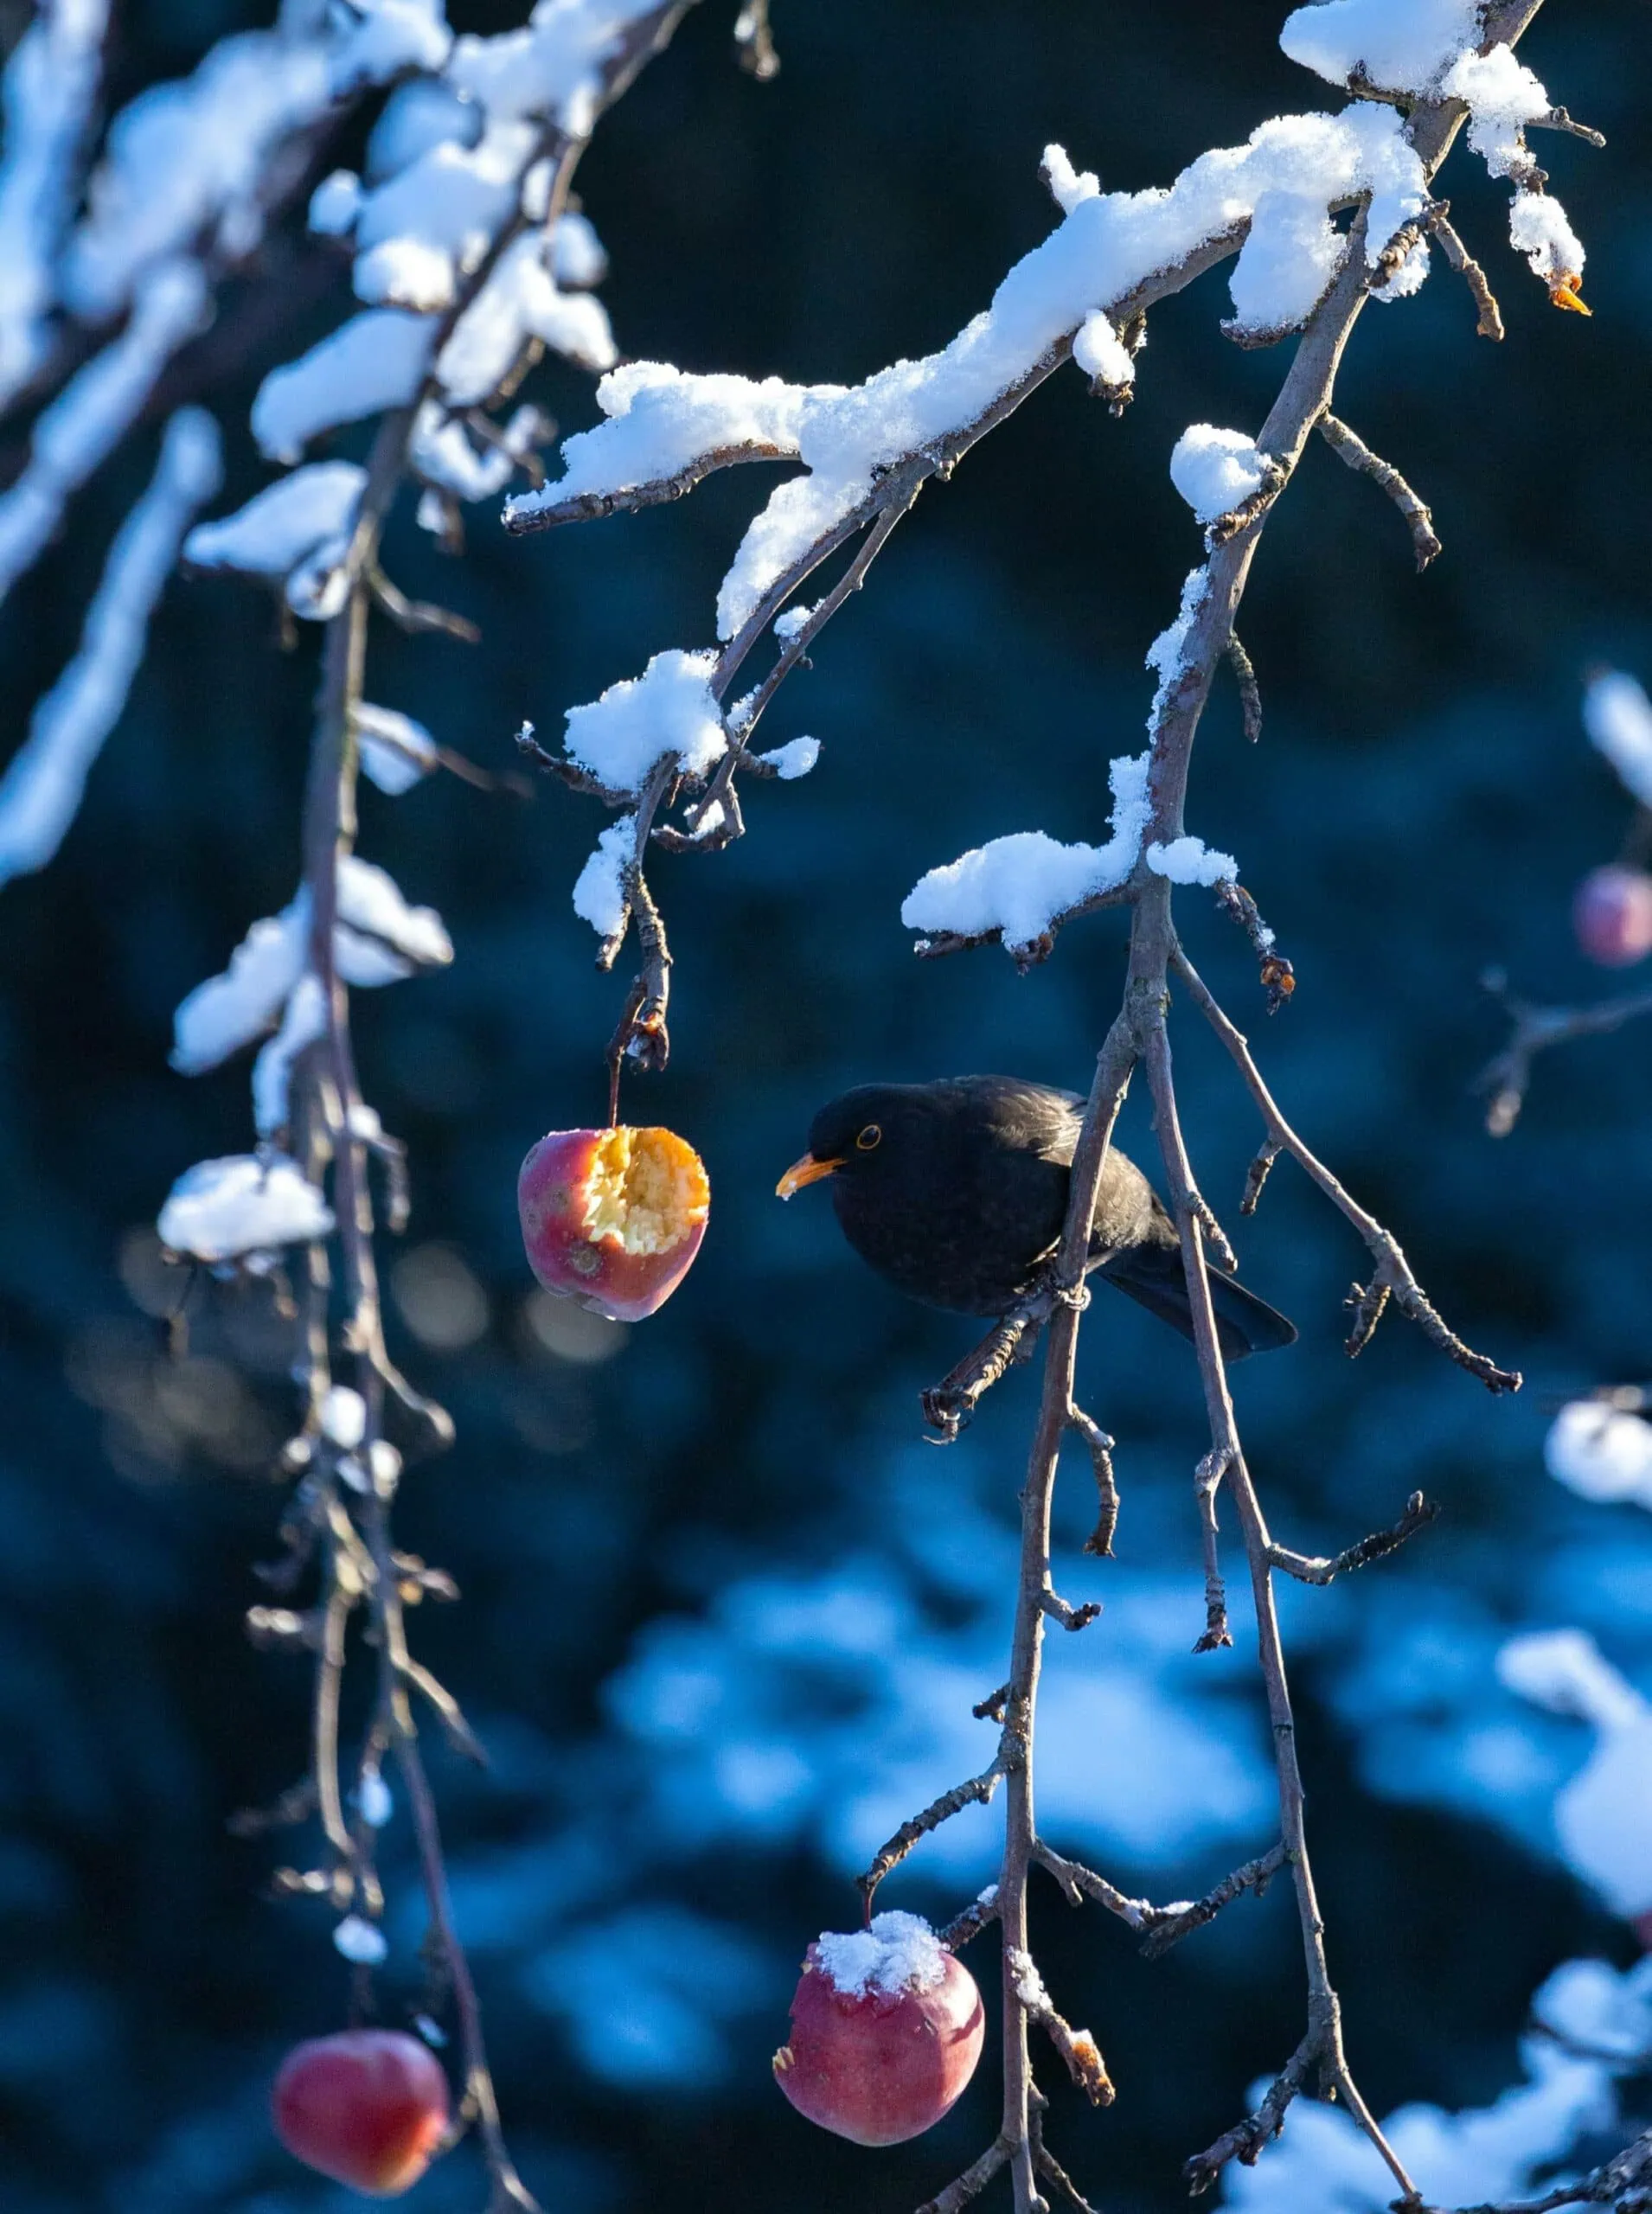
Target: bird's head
874	1133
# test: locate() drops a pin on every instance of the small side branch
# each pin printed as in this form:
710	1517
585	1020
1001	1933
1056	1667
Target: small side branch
754	45
1211	1470
1079	2052
1276	975
1490	323
1245	2139
971	2183
593	506
1352	450
1257	1175
1624	2183
1179	1923
1536	1029
976	1792
1161	1927
1393	1277
1250	691
1100	1446
976	1917
1419	1513
1558	119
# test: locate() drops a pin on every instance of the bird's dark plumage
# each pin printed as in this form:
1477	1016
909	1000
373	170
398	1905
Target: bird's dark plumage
956	1191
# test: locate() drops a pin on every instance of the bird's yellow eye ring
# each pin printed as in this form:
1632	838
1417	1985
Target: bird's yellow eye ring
870	1137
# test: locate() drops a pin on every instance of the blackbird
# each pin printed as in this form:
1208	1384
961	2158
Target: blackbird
956	1191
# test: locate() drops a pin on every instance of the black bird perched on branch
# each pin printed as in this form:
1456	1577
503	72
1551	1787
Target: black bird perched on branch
956	1191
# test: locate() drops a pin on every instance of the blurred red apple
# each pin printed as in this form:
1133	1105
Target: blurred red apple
368	2108
613	1219
1612	916
885	2030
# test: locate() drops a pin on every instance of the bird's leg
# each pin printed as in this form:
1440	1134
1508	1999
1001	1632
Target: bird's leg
948	1405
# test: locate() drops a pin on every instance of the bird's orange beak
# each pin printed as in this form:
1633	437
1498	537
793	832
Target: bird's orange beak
806	1171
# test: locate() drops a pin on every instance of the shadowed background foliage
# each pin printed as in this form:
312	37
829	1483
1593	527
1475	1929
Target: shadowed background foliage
1420	805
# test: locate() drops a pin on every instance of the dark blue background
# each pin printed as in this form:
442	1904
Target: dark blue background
1421	803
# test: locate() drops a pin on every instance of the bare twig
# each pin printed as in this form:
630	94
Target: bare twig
1079	2050
1393	1275
754	40
1352	450
1536	1029
1419	1513
1179	1923
1490	323
1100	1540
977	1791
1161	1927
1210	1472
1245	2139
971	2183
1250	691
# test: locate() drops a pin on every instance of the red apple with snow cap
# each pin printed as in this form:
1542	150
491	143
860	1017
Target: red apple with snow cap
613	1219
368	2108
886	2031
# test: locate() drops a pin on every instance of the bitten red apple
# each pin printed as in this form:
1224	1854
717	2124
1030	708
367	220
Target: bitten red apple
368	2108
885	2030
1612	916
613	1219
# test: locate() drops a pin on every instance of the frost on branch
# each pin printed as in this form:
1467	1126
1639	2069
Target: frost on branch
1189	861
222	1211
552	69
44	779
1502	96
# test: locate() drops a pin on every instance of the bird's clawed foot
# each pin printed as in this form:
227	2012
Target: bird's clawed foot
950	1405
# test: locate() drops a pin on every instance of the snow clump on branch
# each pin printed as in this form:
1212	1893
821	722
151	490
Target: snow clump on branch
1216	470
662	424
670	709
223	1211
1021	886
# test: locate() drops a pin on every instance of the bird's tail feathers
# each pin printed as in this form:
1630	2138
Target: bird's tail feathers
1153	1277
